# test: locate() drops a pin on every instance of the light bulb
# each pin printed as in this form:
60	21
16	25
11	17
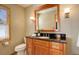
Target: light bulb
67	10
32	18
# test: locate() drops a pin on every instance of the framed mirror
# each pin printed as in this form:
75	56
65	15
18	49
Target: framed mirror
47	18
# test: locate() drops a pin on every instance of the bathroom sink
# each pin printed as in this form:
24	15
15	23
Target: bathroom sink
44	37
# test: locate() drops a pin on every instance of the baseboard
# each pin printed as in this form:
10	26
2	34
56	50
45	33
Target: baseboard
14	53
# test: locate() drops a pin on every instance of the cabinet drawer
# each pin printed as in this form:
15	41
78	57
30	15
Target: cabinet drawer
55	52
56	45
41	43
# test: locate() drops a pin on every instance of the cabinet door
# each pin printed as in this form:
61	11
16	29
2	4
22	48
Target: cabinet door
40	50
29	46
36	50
44	50
29	51
57	48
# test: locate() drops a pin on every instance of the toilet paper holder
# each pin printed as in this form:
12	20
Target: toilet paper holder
5	43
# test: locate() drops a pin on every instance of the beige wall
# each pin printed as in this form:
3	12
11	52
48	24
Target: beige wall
70	26
17	28
29	24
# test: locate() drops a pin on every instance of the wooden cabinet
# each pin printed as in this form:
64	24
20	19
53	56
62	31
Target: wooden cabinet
56	52
29	51
57	48
29	47
40	50
41	43
57	45
43	47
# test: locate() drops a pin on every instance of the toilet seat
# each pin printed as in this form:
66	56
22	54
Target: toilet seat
20	47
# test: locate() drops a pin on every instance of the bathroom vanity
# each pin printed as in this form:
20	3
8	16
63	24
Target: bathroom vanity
45	46
47	20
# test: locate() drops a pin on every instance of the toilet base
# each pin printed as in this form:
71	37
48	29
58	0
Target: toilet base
21	53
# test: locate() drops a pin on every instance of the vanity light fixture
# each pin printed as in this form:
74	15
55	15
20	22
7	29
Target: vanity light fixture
67	12
56	20
56	25
32	18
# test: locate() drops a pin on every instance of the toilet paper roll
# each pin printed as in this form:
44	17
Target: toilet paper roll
5	43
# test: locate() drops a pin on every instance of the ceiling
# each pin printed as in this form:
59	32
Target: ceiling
27	5
24	5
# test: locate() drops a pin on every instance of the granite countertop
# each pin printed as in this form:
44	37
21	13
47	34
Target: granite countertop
47	39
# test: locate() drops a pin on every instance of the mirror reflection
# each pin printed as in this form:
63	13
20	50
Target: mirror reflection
47	19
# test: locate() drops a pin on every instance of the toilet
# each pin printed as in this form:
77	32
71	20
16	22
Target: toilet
20	49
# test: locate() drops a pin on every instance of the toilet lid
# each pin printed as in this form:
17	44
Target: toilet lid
20	47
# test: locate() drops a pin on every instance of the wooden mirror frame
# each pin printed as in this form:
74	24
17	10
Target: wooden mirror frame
46	6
